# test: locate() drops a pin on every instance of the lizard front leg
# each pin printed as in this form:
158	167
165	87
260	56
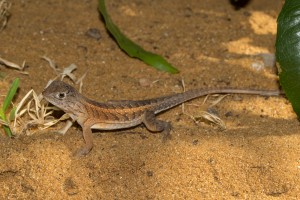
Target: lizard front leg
88	138
155	125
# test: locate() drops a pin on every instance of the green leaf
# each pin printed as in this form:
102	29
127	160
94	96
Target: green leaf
288	51
2	114
7	131
12	113
10	95
133	49
5	127
7	101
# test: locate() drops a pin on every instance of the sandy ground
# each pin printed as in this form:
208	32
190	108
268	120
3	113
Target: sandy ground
213	45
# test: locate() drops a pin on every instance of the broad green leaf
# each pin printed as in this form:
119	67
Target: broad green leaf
133	49
288	51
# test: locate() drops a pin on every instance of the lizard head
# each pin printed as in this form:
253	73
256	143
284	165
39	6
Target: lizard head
62	95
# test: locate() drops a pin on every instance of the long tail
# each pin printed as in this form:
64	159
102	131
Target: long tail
167	102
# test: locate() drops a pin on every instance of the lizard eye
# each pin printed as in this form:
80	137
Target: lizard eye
61	95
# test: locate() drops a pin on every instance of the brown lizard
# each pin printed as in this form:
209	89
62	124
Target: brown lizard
124	113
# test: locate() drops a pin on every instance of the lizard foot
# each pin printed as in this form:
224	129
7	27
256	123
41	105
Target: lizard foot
166	133
82	152
156	125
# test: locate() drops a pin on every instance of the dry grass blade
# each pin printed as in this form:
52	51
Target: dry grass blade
51	63
39	113
80	81
68	72
3	122
20	112
49	123
68	125
4	13
212	118
184	89
218	100
39	110
209	117
49	82
11	64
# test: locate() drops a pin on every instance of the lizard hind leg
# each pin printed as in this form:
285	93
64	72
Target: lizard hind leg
155	125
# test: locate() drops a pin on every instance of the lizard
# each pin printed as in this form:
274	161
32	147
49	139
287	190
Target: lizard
121	114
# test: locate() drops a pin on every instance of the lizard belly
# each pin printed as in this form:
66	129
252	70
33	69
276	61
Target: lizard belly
112	125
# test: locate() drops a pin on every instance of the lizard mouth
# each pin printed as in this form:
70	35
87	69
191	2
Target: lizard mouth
49	98
45	96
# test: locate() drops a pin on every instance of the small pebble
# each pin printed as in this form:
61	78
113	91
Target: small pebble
269	59
93	33
144	82
229	114
258	65
266	60
149	173
195	142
